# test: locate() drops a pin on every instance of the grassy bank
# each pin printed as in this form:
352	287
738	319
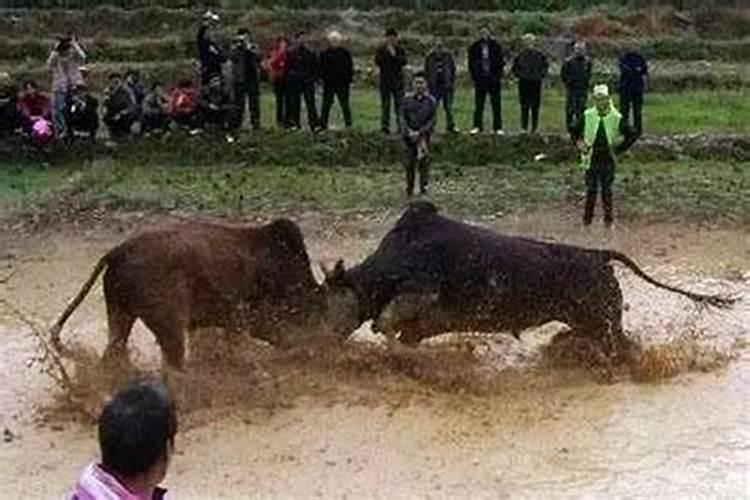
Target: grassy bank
701	191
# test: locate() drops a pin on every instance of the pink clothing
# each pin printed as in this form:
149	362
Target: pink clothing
66	72
96	484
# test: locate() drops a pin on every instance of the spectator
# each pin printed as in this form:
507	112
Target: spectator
9	116
210	55
530	67
633	82
137	430
136	86
302	73
183	106
83	114
337	70
440	68
245	80
215	105
596	138
576	76
486	66
65	62
33	106
275	65
155	110
390	59
120	109
419	121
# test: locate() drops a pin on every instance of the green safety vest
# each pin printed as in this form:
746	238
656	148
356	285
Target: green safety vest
591	127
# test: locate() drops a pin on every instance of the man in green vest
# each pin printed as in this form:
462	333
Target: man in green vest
598	138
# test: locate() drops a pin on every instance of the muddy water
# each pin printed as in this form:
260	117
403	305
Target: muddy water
543	433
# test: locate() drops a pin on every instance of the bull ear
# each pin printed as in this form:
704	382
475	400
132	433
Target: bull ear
339	270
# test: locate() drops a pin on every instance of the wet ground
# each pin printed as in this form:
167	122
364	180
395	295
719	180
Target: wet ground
480	418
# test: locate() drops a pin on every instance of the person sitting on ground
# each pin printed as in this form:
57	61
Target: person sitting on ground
137	430
33	106
183	105
83	113
9	117
215	104
155	110
419	112
120	108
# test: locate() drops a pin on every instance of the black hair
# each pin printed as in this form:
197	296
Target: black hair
156	83
185	83
30	82
243	31
300	33
391	32
419	74
136	427
114	75
63	43
133	72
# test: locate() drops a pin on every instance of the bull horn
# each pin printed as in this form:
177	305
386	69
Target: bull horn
326	272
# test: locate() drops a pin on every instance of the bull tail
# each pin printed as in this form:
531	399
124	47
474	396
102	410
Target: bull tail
720	301
57	327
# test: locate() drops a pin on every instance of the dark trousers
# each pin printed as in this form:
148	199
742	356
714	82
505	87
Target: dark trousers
575	106
279	92
530	95
155	121
84	123
246	94
296	91
632	100
217	118
412	165
600	176
119	127
388	94
342	95
445	97
480	96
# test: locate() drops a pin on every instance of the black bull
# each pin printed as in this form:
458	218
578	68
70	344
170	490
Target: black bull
432	275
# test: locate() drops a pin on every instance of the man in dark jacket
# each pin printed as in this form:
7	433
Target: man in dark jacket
419	111
83	113
440	68
390	58
210	55
633	78
245	80
486	66
9	118
215	104
302	73
530	67
598	140
337	71
120	109
576	76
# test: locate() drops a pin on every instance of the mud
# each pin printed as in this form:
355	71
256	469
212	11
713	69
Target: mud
461	416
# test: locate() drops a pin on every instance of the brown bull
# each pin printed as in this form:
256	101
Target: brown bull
433	275
193	275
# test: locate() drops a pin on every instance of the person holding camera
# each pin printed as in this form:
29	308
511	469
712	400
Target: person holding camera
210	55
65	62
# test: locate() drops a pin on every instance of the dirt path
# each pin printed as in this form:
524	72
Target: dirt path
370	426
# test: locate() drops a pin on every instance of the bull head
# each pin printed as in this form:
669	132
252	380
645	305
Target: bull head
342	301
334	275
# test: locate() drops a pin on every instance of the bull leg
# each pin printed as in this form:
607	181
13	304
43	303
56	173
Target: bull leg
169	330
119	325
403	314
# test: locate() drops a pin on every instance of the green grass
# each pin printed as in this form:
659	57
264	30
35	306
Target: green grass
707	191
664	114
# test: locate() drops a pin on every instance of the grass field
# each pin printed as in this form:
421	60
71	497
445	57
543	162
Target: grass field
664	114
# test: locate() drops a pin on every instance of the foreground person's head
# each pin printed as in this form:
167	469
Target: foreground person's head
137	430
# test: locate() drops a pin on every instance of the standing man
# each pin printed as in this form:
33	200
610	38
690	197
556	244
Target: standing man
486	66
65	62
633	80
245	81
275	65
419	121
302	73
390	59
530	67
596	139
210	55
337	70
576	76
440	68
